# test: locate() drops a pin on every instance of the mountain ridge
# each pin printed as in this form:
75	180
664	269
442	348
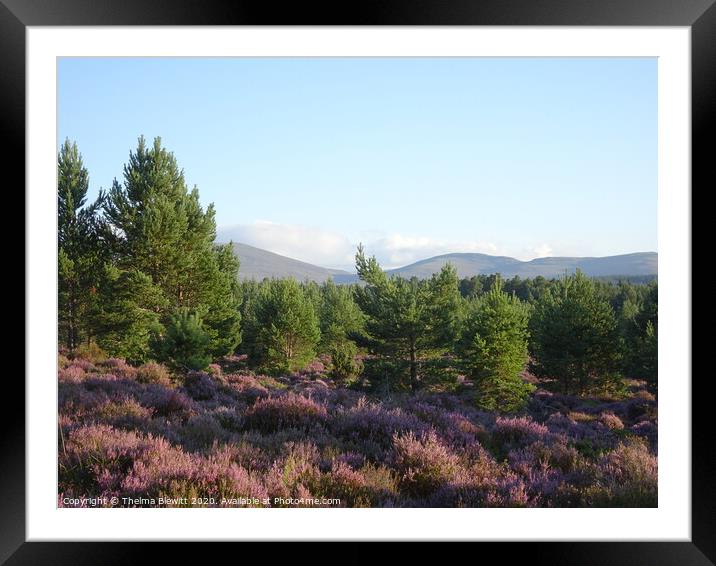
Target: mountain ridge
257	263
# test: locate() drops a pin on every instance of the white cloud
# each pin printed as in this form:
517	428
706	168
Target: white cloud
304	243
543	250
528	253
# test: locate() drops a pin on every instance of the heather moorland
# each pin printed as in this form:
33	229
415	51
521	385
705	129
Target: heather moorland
181	384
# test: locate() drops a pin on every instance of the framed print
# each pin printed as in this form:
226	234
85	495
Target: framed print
387	278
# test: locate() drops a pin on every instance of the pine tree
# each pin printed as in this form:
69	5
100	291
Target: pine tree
125	317
339	315
184	343
341	321
82	246
642	344
250	290
493	349
407	318
164	232
287	326
574	335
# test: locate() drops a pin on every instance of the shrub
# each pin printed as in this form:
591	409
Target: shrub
346	484
201	431
297	473
453	427
423	464
184	343
631	461
285	411
99	455
648	431
518	431
119	367
344	365
214	370
83	364
89	352
611	421
152	372
375	423
71	374
314	369
175	474
540	456
630	476
200	385
247	386
381	483
644	395
229	418
126	413
167	402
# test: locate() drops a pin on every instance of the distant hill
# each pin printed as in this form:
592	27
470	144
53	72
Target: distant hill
469	264
257	264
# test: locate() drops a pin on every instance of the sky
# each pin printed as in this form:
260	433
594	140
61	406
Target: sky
413	157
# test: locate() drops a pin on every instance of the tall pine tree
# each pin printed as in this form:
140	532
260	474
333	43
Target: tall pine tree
164	232
82	247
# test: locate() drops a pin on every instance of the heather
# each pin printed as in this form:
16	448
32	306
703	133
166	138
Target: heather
231	436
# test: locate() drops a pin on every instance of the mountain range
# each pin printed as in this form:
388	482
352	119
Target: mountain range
257	264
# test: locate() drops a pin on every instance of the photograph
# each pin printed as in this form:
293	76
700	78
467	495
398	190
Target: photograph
357	282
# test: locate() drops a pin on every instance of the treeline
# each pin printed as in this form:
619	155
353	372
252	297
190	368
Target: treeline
141	277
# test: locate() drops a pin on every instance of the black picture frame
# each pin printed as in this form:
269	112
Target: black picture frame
699	15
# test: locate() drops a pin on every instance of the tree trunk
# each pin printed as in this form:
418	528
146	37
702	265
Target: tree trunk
413	368
71	323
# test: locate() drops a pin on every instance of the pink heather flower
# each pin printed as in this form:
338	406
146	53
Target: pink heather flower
518	430
71	374
611	421
423	464
284	411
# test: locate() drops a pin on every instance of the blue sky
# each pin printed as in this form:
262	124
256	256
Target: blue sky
414	157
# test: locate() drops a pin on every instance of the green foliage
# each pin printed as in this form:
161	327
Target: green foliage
287	330
344	365
645	355
339	315
125	317
340	320
82	247
528	290
249	291
184	344
643	344
493	349
575	338
221	300
164	232
407	318
386	375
